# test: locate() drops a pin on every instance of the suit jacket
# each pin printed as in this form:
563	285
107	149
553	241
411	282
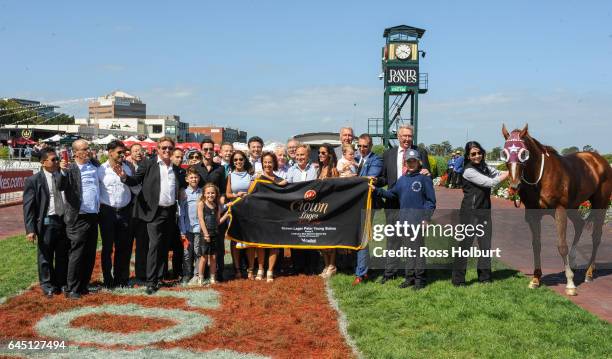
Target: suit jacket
372	167
148	198
71	185
388	176
36	201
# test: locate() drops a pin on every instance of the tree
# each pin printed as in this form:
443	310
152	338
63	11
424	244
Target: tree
378	149
494	154
446	148
567	151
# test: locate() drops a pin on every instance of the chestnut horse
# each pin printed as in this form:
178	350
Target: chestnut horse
550	183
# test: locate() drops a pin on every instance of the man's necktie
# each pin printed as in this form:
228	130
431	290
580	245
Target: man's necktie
361	163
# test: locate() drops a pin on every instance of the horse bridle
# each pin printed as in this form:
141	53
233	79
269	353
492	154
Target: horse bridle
515	151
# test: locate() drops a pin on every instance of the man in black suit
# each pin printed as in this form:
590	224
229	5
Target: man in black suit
393	169
211	172
43	210
80	184
138	227
156	205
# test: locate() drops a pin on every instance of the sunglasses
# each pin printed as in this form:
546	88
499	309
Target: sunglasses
166	148
207	149
474	154
194	156
54	159
120	153
322	153
239	159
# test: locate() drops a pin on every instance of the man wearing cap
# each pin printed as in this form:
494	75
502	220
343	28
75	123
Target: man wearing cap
393	168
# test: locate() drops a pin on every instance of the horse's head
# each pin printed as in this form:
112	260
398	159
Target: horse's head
515	154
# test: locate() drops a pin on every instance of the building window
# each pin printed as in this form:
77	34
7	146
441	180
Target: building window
157	129
170	130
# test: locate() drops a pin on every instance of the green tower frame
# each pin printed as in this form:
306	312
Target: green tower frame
403	82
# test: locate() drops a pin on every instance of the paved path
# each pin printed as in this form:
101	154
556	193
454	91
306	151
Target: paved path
512	236
11	221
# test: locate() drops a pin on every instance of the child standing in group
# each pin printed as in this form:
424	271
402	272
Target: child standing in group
347	167
209	216
189	225
417	200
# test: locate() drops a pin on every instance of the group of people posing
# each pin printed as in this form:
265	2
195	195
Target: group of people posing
165	205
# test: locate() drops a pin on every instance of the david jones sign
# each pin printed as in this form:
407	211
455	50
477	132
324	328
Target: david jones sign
402	76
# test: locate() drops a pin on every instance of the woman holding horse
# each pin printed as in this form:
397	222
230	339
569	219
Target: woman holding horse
478	179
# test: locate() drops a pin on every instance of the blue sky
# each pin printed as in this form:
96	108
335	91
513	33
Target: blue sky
278	68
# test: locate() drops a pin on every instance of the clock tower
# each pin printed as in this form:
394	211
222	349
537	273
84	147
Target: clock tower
402	82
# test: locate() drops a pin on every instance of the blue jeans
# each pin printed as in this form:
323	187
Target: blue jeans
362	262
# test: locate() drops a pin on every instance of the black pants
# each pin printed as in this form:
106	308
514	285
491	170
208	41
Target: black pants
415	266
220	247
115	232
53	255
83	237
176	246
305	261
139	230
161	232
392	264
483	266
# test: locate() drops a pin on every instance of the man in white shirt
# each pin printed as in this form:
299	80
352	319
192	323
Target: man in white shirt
43	210
115	218
156	205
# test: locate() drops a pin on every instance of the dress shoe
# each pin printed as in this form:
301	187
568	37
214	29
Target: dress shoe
151	290
48	293
407	283
72	295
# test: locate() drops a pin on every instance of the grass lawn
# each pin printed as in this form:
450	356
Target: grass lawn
18	268
504	319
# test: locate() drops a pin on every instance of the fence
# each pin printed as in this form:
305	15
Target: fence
12	182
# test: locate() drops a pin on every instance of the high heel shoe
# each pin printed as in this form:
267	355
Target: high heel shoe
250	274
269	276
260	274
324	273
212	280
238	274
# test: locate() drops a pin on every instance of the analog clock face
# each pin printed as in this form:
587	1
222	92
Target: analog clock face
403	51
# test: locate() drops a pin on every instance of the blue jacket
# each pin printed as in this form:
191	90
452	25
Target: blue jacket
459	164
451	163
415	192
372	167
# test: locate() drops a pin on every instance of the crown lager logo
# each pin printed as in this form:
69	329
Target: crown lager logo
310	195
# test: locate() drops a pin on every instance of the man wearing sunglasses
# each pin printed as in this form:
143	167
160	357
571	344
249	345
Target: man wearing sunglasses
115	218
211	172
156	205
43	210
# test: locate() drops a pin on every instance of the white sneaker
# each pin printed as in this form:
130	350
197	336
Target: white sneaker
195	281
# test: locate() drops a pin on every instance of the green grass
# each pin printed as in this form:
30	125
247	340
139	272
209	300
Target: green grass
18	268
504	319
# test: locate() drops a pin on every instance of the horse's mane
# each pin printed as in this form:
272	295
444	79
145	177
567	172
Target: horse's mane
543	148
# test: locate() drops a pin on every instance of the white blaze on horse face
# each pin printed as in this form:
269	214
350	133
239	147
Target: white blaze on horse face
515	176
